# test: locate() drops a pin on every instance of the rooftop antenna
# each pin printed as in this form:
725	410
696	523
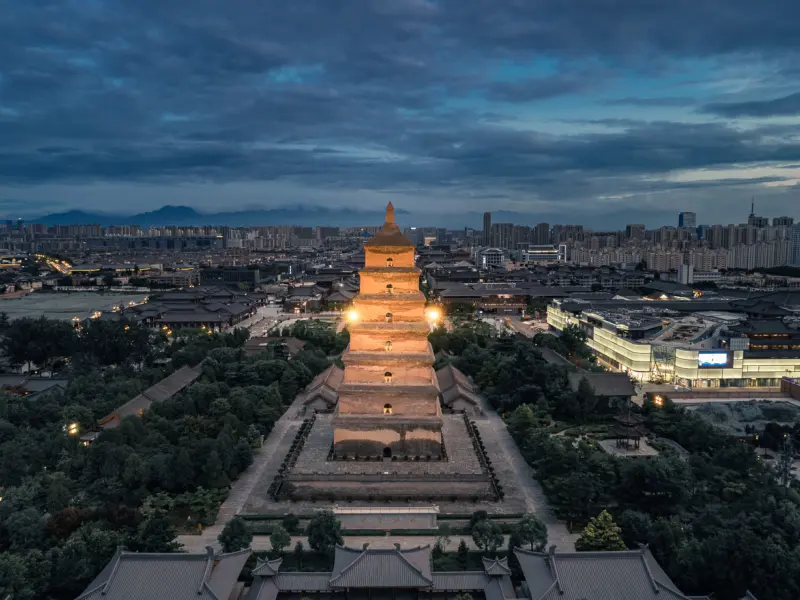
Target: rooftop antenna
753	207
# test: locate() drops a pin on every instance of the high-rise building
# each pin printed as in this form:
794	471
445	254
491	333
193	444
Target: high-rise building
755	221
487	229
502	235
687	219
635	231
388	401
782	222
542	235
796	246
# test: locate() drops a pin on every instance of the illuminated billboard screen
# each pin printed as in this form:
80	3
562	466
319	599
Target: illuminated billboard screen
713	360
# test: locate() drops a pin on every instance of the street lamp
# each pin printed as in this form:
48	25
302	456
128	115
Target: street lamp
352	315
658	401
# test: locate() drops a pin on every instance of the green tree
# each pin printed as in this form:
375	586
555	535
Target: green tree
290	523
463	596
443	538
477	517
463	554
325	532
487	535
236	535
242	455
279	539
299	554
25	529
532	531
134	474
635	526
155	534
601	534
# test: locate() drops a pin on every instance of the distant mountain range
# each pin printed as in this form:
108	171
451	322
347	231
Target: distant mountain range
312	215
183	216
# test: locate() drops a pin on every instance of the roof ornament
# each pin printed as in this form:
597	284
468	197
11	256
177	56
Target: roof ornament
390	213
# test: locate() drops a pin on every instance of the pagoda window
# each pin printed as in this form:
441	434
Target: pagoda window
389	262
388	317
387	346
387	377
389	288
387	409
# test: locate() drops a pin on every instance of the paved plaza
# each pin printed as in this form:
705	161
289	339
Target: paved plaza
248	495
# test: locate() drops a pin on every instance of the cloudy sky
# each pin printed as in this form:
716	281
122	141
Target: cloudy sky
600	112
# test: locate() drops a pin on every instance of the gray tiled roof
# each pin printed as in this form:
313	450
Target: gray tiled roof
177	576
163	390
172	384
303	582
604	384
459	580
628	575
498	566
267	568
390	568
325	385
454	385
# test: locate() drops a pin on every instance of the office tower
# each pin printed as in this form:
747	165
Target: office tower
635	231
687	219
487	229
782	222
795	246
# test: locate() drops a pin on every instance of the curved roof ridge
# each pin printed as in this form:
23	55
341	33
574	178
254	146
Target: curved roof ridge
412	565
358	559
207	572
652	579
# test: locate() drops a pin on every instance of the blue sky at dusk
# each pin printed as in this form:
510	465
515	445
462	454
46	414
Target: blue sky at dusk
588	111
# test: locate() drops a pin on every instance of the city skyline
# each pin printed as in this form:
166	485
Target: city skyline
438	105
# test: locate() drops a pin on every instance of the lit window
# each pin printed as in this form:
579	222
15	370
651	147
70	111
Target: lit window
387	409
389	262
388	346
387	377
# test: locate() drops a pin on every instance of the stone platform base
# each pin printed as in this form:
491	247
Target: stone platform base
459	477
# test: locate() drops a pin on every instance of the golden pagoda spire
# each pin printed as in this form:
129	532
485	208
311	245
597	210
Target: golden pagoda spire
389	213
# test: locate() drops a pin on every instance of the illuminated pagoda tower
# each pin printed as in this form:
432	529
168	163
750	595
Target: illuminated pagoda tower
388	401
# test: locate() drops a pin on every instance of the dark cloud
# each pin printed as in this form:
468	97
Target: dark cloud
788	106
388	95
663	101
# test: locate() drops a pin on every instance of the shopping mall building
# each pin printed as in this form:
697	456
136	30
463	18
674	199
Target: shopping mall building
752	342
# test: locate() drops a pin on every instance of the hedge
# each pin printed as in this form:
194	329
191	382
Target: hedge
413	532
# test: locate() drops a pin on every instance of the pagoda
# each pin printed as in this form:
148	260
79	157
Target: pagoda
388	400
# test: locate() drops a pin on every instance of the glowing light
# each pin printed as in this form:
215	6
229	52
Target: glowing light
352	315
658	401
72	429
433	314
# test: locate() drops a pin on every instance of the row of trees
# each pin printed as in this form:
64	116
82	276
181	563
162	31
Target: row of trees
66	507
42	342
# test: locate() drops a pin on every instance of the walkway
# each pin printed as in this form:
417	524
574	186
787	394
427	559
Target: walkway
493	428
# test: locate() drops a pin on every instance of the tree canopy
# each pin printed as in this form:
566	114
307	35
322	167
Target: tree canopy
67	507
324	532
